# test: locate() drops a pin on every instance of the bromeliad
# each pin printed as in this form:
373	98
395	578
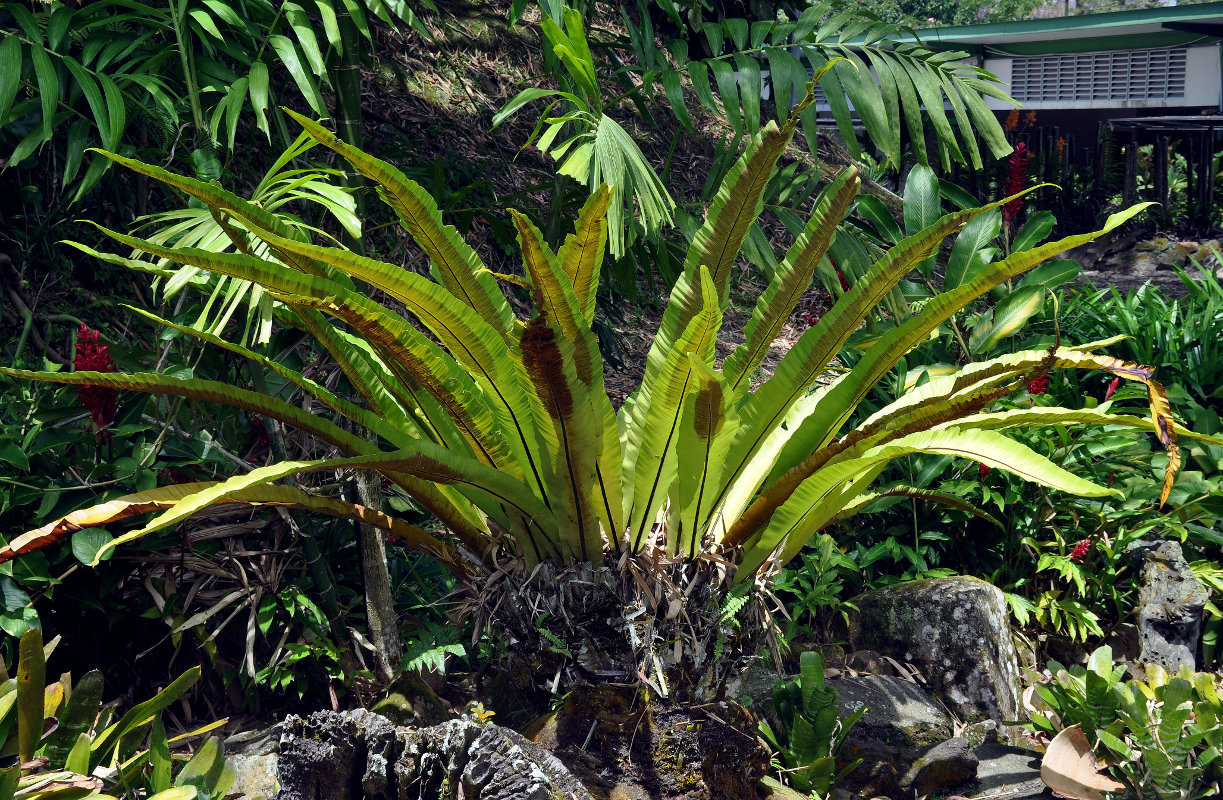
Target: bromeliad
603	544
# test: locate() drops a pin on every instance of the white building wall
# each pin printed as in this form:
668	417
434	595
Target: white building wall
1202	86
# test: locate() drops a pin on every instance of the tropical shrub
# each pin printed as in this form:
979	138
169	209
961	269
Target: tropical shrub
68	745
603	545
1180	336
1160	737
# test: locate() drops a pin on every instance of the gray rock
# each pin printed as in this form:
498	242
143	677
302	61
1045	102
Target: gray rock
255	760
254	776
979	733
1008	772
902	715
1170	603
358	755
955	631
947	764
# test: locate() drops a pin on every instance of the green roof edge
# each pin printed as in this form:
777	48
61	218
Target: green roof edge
957	35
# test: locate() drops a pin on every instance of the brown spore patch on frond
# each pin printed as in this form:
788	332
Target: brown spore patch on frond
707	419
545	364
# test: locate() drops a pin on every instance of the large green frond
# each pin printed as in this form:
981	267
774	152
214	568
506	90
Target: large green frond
822	496
457	264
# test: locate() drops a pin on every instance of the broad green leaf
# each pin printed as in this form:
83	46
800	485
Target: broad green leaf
822	496
10	73
969	248
48	88
87	545
1033	231
106	745
581	254
790	281
1010	316
167	497
818	429
78	715
1052	274
31	687
649	466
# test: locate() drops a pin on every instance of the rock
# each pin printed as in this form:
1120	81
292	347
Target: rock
980	733
901	714
254	776
879	773
955	631
868	661
754	689
947	764
901	722
1170	603
324	755
1126	642
255	757
1008	772
489	763
358	755
1025	653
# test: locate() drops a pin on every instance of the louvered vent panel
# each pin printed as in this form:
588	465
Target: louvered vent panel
1122	75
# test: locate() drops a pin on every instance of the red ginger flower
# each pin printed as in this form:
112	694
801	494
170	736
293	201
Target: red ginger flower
983	471
1080	550
1016	181
92	356
1112	388
1039	385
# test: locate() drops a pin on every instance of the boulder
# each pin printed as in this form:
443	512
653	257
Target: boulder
901	722
1008	772
1170	604
901	714
979	733
955	631
253	756
945	765
358	755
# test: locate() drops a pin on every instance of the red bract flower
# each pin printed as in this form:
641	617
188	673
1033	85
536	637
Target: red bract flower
1112	388
171	475
981	473
841	278
1080	550
1039	385
258	432
92	356
1016	181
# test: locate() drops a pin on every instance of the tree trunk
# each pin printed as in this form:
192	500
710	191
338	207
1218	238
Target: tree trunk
376	579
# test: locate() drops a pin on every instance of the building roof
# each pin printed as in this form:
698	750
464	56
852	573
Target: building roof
1148	27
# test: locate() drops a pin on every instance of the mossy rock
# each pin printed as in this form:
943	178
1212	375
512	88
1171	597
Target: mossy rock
410	701
956	631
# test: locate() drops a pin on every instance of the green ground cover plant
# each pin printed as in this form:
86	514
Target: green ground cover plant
1161	737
